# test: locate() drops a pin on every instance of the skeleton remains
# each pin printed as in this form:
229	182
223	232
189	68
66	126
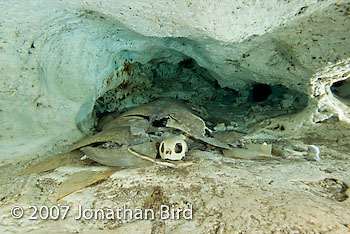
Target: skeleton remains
164	123
173	148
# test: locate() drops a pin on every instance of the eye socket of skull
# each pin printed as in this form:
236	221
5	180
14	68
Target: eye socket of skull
178	148
162	148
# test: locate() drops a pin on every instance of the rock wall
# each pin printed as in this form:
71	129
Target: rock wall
58	57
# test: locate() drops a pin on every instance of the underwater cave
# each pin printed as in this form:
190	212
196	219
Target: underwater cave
195	86
168	117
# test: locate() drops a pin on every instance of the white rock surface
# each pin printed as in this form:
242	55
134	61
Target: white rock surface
56	56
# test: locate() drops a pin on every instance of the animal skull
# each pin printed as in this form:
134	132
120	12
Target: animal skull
173	148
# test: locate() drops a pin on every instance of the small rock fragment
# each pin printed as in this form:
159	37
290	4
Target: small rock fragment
313	153
220	127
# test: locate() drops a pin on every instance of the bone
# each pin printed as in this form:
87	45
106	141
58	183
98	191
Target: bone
173	148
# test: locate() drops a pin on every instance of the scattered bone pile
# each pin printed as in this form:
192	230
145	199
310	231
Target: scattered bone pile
165	124
161	132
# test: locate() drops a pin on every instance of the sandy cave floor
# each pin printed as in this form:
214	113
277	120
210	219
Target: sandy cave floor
227	195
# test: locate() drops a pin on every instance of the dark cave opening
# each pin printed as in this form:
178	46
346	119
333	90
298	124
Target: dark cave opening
195	86
261	92
341	90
